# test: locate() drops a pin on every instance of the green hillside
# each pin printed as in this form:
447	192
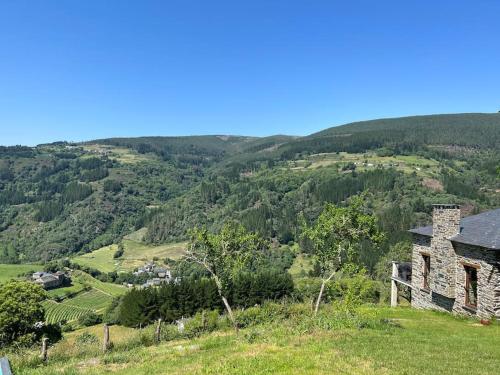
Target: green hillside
66	200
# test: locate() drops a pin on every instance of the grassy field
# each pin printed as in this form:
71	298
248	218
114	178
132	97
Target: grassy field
12	271
135	255
122	154
417	342
408	164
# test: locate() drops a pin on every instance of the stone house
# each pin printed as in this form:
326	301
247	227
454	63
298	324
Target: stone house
456	263
48	280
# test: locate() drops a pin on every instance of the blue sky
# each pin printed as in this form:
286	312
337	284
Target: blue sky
79	70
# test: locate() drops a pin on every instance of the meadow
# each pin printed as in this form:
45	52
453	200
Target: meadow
13	271
135	255
404	341
366	161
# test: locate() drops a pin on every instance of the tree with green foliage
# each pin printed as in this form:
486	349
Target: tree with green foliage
20	309
225	255
336	237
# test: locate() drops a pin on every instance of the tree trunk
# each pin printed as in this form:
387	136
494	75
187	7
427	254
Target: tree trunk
318	301
230	313
321	290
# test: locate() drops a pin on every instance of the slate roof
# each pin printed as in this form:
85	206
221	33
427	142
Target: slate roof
480	230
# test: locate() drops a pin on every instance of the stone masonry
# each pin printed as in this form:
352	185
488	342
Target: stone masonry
447	276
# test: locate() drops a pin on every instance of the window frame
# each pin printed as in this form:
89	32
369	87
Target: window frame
468	269
426	270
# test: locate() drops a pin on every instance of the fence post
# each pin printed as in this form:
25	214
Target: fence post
158	331
105	345
43	355
203	320
394	286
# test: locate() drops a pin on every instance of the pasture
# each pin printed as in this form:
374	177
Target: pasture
366	161
413	342
13	271
135	255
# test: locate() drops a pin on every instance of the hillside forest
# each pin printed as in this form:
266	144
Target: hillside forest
62	199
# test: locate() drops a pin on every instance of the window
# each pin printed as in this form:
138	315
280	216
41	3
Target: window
470	286
427	269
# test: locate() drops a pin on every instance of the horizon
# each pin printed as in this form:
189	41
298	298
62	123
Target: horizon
240	135
83	71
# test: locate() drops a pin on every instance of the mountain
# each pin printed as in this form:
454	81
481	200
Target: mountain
404	134
64	198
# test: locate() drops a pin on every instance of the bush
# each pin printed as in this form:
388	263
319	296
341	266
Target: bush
86	338
89	319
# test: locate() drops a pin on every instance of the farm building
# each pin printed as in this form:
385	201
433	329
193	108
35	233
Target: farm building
456	263
50	280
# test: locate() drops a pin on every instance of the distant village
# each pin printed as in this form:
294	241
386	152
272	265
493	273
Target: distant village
159	275
156	275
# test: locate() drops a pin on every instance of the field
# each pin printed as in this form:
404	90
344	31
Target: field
408	164
135	255
57	312
122	154
86	294
12	271
417	342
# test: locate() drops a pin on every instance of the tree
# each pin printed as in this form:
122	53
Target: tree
20	308
336	236
225	255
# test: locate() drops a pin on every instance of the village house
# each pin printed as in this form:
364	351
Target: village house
455	263
48	280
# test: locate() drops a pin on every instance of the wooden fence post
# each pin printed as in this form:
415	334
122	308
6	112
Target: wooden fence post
158	331
203	320
105	345
394	286
43	355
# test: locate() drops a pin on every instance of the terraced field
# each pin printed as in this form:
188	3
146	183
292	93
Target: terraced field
85	295
93	300
57	312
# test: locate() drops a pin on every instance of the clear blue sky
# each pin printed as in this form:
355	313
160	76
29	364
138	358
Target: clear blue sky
79	70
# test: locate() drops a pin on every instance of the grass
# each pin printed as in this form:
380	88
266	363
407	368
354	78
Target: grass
13	271
422	166
135	255
417	342
301	266
122	154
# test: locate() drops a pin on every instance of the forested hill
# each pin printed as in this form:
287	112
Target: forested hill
64	198
406	134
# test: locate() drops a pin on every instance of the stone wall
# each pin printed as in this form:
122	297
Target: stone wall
488	278
445	224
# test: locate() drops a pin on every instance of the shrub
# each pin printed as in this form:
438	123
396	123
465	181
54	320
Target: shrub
86	338
89	319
